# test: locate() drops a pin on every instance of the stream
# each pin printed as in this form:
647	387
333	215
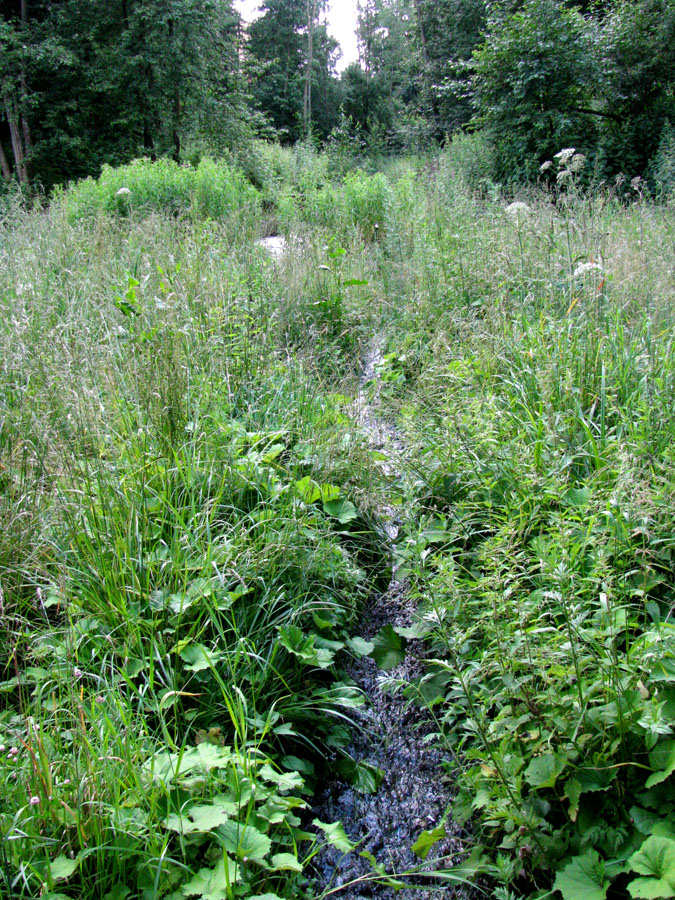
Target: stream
415	792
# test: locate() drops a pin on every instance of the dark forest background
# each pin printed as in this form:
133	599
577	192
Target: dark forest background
88	82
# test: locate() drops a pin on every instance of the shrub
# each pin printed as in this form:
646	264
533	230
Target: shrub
213	189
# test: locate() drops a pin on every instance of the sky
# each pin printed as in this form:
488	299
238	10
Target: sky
341	18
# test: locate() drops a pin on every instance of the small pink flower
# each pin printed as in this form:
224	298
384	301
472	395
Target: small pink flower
77	672
99	699
34	801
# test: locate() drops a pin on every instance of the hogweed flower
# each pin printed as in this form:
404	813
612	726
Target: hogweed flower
583	268
517	210
565	155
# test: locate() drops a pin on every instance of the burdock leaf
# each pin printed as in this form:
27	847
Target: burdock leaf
389	648
62	867
583	878
360	646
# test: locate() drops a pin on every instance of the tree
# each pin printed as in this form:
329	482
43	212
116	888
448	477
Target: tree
637	47
532	84
449	31
86	81
292	59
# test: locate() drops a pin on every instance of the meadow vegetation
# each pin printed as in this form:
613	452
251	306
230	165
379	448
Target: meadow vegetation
191	518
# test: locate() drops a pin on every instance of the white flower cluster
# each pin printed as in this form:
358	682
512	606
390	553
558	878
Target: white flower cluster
518	210
587	267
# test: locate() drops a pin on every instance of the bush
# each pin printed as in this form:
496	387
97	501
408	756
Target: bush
213	189
662	166
367	198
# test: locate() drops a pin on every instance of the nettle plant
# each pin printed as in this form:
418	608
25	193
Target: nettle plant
555	681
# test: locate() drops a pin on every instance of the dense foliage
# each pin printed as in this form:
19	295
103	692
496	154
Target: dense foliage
90	83
191	523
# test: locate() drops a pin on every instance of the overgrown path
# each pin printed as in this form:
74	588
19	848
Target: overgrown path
414	793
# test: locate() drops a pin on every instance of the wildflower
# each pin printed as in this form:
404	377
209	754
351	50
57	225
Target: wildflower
77	673
517	210
578	162
34	801
583	268
544	166
123	192
99	698
565	155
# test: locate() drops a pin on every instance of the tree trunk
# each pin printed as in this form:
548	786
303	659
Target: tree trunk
4	165
176	121
307	105
25	128
175	112
423	33
15	135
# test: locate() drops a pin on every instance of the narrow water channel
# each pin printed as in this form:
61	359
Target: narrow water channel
415	792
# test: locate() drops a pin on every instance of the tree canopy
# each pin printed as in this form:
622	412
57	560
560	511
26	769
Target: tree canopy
86	82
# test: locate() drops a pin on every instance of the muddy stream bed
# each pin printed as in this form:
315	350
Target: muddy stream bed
415	792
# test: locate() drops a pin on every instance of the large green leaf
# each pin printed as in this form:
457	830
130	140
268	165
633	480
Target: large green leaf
583	878
244	841
204	817
286	862
301	645
285	781
342	510
198	657
213	884
662	758
308	489
427	839
543	771
656	860
62	867
361	775
335	835
389	648
360	646
166	767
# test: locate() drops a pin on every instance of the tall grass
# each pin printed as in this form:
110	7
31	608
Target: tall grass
190	515
175	580
537	373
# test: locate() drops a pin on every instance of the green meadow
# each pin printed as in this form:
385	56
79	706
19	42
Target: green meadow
192	521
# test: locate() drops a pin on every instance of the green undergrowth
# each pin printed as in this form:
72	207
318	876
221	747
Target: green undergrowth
537	403
212	189
190	522
183	551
